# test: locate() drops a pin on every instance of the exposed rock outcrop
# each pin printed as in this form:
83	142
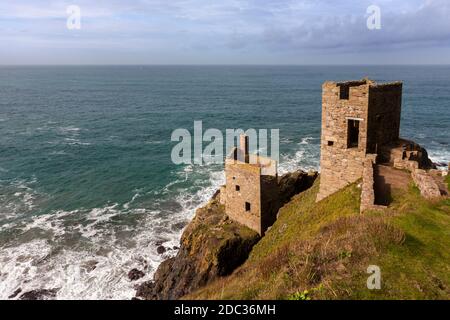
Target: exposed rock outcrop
405	154
15	293
212	246
430	183
39	294
160	249
293	183
135	274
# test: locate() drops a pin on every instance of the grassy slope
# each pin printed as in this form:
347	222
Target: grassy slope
322	250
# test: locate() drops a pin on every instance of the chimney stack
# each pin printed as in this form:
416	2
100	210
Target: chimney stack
243	148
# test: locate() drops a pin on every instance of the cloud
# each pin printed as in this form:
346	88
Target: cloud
428	23
229	29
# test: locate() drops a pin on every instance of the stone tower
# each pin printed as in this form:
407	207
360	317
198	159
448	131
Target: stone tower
358	118
251	191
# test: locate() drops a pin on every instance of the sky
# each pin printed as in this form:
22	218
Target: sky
225	32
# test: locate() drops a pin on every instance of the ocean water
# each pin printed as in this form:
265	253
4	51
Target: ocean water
87	187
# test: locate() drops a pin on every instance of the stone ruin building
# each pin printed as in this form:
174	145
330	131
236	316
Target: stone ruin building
250	194
360	129
254	192
359	139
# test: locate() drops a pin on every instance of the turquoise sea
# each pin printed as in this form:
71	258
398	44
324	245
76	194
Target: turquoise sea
87	187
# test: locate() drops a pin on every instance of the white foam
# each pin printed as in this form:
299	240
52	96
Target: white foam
31	266
48	222
71	134
127	204
155	142
441	156
114	247
306	157
285	140
75	142
57	153
69	129
20	202
35	264
306	140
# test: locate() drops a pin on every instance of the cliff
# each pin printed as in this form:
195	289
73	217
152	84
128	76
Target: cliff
323	250
212	246
314	250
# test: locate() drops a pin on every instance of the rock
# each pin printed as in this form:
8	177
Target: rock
293	183
160	249
216	194
423	160
178	226
208	250
90	265
15	293
39	294
135	274
440	164
146	290
427	185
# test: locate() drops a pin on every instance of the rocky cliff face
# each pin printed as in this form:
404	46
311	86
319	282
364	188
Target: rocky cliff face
212	246
293	183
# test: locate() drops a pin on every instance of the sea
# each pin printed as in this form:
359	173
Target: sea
88	190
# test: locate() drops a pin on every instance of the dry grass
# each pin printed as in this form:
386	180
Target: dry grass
339	248
322	251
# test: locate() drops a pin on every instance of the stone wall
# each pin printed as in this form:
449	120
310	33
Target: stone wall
246	185
384	111
251	190
339	164
223	195
405	154
270	201
368	185
243	185
428	187
376	108
268	166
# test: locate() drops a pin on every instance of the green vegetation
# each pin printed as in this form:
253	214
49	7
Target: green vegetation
322	251
300	296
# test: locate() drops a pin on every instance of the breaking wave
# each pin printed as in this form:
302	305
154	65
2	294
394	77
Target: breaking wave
86	254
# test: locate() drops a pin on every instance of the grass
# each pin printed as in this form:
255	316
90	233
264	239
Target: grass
322	251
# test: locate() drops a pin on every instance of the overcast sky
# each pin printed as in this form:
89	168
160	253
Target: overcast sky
225	32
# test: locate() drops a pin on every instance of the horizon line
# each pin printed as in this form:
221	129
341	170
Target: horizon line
220	65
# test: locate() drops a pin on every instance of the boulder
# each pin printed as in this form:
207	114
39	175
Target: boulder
160	249
135	274
39	294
